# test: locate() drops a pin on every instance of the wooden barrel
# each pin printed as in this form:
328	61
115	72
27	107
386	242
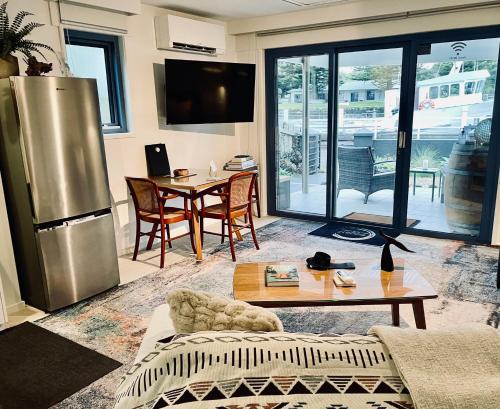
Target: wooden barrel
464	187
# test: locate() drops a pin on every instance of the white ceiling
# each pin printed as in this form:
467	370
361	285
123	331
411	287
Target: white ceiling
234	9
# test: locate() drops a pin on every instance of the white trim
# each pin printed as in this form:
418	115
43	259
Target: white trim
3	308
12	309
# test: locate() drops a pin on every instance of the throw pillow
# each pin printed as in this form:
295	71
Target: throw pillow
193	311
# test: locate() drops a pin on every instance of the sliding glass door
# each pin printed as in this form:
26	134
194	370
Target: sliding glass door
368	96
301	143
399	132
453	112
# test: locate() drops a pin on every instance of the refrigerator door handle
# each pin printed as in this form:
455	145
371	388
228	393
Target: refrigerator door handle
30	198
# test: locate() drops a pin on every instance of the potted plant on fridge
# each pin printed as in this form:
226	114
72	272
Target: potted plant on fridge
13	38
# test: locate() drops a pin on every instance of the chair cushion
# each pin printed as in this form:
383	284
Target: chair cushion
171	215
198	311
218	211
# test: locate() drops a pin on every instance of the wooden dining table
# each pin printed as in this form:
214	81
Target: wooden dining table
193	187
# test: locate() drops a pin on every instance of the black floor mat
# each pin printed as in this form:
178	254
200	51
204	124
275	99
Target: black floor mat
39	368
353	233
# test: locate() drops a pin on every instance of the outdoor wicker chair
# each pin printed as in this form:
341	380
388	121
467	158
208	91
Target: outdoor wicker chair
358	170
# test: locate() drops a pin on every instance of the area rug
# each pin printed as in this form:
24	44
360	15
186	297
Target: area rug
375	218
353	233
114	323
40	368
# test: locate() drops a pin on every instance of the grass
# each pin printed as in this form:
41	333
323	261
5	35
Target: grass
362	104
324	105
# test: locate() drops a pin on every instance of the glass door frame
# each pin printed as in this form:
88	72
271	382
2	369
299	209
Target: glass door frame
272	161
402	124
493	162
410	43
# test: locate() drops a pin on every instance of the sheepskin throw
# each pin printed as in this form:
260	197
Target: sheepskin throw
456	367
198	311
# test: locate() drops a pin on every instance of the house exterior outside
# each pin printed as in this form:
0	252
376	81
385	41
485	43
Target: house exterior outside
354	91
462	88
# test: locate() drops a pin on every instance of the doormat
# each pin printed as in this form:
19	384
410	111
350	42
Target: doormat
40	368
375	218
353	233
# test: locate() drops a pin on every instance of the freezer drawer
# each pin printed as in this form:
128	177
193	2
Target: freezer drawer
78	260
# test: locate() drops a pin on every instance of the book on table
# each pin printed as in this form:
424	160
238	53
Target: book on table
281	276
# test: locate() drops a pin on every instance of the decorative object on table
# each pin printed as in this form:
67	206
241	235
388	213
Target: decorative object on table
322	261
212	169
181	172
36	68
386	262
343	279
13	39
240	162
351	232
281	276
482	133
157	160
193	311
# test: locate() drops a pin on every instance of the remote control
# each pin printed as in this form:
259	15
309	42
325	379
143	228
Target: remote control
345	277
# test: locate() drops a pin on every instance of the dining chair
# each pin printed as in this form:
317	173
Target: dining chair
236	201
151	207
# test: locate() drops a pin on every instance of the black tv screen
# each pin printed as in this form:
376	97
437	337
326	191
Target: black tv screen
203	92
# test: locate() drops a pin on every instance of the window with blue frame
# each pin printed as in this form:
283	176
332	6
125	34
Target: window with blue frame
92	55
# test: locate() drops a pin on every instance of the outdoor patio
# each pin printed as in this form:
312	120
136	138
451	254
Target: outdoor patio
431	215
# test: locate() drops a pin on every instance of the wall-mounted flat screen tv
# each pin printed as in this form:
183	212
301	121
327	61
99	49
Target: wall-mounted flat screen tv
204	92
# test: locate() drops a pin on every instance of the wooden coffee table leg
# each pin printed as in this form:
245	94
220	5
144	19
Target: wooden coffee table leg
395	314
418	312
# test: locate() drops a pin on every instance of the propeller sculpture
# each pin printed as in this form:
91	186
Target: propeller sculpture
386	262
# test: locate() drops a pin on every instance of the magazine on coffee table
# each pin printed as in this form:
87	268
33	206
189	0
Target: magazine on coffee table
281	276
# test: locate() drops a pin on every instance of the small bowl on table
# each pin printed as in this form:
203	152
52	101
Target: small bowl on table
181	172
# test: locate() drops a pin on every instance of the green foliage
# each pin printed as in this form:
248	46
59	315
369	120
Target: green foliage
426	152
290	77
388	166
291	161
384	76
13	36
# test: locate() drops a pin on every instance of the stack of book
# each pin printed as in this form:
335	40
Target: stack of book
240	162
281	276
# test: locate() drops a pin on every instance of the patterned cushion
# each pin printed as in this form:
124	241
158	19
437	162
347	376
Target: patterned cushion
258	370
193	311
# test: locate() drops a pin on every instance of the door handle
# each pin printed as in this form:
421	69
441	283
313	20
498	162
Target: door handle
402	140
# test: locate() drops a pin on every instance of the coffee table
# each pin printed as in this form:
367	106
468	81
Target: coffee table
374	287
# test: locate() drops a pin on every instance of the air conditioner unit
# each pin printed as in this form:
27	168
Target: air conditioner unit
184	34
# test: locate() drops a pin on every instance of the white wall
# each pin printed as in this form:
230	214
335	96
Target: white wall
191	147
250	47
8	274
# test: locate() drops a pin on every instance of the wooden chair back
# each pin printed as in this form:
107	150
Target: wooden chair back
240	188
145	195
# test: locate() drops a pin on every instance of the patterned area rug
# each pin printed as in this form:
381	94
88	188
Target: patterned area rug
114	323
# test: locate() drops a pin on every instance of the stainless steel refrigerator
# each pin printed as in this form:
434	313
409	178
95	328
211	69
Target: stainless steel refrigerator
56	187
